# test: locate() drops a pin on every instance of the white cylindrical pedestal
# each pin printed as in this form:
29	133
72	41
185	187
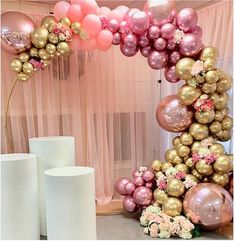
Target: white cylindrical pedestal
70	203
53	151
19	197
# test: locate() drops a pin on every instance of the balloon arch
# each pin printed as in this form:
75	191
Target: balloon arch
169	40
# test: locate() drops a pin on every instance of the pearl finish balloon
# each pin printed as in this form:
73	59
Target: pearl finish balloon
113	25
172	115
127	51
157	60
138	181
148	175
175	57
153	32
129	204
16	29
143	41
129	188
211	203
120	185
117	39
167	30
142	195
130	41
186	19
160	44
145	51
170	74
139	22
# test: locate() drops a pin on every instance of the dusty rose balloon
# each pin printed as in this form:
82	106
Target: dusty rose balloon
128	51
157	60
129	13
175	57
117	38
153	32
143	41
171	45
129	188
139	22
113	25
124	28
145	51
160	44
167	30
190	45
120	185
170	74
130	40
75	13
15	35
135	173
212	204
142	195
197	30
148	175
138	181
186	19
104	11
61	9
129	204
173	116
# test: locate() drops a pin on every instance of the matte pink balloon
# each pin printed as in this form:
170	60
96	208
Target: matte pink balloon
148	175
142	195
124	9
153	32
129	188
104	48
197	30
16	29
138	181
143	41
104	38
175	57
129	13
104	11
92	24
116	14
145	51
129	204
113	25
139	22
90	6
170	74
89	44
117	39
76	43
130	40
61	9
186	19
171	45
75	13
190	45
167	30
160	44
157	60
120	184
135	173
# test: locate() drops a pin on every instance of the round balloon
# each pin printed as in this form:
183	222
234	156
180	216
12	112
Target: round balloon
142	195
120	185
129	204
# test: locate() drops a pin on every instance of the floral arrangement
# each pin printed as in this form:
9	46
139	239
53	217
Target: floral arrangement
197	68
203	103
63	32
178	35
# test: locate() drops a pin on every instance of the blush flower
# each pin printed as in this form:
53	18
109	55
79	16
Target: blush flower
178	35
210	158
197	68
180	175
196	157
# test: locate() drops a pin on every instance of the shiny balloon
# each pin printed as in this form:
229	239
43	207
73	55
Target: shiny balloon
153	32
129	13
157	60
160	44
167	31
117	39
128	51
139	22
113	25
129	204
129	188
170	74
148	175
142	195
143	41
186	19
145	51
130	40
138	181
174	57
120	185
197	30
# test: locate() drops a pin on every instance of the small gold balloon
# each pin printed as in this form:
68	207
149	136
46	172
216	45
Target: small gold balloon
50	48
156	165
172	206
222	101
158	174
28	68
215	127
220	179
203	168
212	76
205	117
209	64
200	79
227	123
46	21
225	111
219	115
225	84
33	52
42	53
24	57
188	94
40	37
160	196
183	68
176	141
65	21
189	162
22	77
16	65
63	48
175	187
224	135
170	154
165	166
186	139
76	27
183	151
195	146
192	177
209	88
53	38
217	148
223	164
182	168
198	131
209	52
176	160
196	174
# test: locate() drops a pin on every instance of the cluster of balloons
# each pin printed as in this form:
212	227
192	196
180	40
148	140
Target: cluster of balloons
138	192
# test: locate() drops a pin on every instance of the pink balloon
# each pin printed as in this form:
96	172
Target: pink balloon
76	43
149	184
79	2
61	9
171	45
129	188
170	74
190	45
116	14
92	24
145	51
157	60
167	30
113	25
104	11
120	184
129	13
135	173
139	22
160	44
75	13
90	6
124	28
117	39
104	48
128	51
104	38
138	181
197	30
148	175
153	32
123	9
143	41
130	40
89	44
175	57
187	19
142	195
129	204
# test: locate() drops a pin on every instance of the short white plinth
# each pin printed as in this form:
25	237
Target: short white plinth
70	203
19	197
53	151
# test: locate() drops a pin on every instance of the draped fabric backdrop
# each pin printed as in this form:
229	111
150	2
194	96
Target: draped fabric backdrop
107	101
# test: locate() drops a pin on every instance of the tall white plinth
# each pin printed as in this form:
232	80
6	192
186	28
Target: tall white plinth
53	151
19	197
70	203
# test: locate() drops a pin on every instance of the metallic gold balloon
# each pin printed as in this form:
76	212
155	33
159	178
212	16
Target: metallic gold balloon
40	37
46	21
219	115
28	68
160	196
227	123
195	146
200	79
16	65
217	148
225	84
225	111
42	53
165	166
182	168
198	131
176	141
76	27
33	52
183	151
186	139
209	88
205	117
157	165
209	52
223	164
203	168
170	154
215	127
195	173
209	64
46	63
50	48
22	77
183	68
176	160
212	76
53	38
24	57
220	101
63	48
188	94
220	179
224	135
192	177
189	162
65	21
175	187
172	206
158	174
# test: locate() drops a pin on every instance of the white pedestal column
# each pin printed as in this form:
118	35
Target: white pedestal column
54	151
70	203
19	197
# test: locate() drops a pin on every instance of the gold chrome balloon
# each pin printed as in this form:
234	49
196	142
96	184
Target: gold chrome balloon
24	57
42	53
217	148
165	166
223	164
188	94
160	196
212	76
209	52
158	174
227	123
53	38
16	65
22	77
205	117
203	168
225	111
176	141
225	84
182	168
186	139
28	68
192	177
209	88
195	146
170	154
40	37
65	21
175	187
50	48
198	131
195	173
183	68
76	27
183	151
63	48
200	79
219	115
172	206
46	21
220	179
157	165
176	160
215	127
222	101
209	64
189	162
224	135
46	63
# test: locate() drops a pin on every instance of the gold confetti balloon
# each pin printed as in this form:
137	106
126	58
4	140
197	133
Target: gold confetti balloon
24	57
22	77
225	84
218	115
196	146
63	48
28	68
209	88
183	151
176	141
215	127
224	135
189	162
47	21
165	166
170	154
217	148
227	123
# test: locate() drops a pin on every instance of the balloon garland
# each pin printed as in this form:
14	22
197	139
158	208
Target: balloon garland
168	40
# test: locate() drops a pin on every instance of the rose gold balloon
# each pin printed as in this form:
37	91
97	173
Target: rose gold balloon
212	204
172	115
15	32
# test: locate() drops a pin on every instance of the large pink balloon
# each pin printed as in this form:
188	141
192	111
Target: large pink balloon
129	13
61	9
104	38
212	204
75	13
190	45
142	195
90	6
116	14
139	22
104	11
92	24
16	29
120	185
157	60
130	40
129	204
186	19
89	44
170	74
172	115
